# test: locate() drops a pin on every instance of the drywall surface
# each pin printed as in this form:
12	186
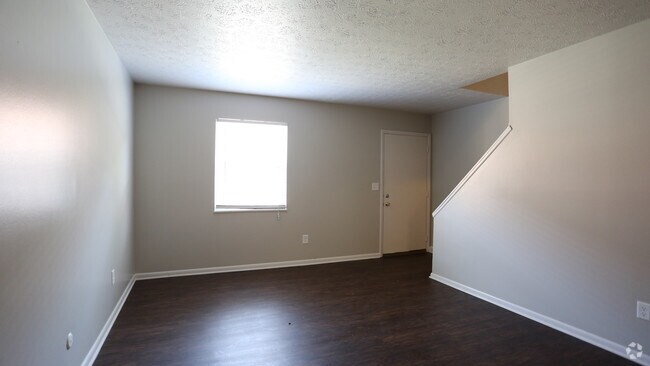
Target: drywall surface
556	221
333	159
65	181
458	140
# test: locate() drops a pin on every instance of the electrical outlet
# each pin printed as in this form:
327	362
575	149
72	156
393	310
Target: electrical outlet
69	340
305	239
642	310
113	276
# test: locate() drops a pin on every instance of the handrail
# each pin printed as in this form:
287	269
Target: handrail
473	170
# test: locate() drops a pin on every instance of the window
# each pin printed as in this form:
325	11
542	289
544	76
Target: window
250	166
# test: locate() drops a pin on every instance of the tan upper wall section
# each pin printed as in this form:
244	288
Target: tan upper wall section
495	85
333	159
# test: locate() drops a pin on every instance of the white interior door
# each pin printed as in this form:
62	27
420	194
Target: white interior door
405	193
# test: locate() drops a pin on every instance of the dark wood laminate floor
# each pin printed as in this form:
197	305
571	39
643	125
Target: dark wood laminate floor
375	312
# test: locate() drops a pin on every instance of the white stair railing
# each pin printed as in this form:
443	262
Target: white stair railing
473	170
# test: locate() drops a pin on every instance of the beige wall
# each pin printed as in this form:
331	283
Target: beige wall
65	180
556	220
458	140
333	159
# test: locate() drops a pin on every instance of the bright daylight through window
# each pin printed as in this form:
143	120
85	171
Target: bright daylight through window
250	169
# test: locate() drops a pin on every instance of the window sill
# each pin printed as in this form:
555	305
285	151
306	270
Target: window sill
227	210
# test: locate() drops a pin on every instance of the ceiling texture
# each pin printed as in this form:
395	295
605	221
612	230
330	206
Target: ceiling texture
402	54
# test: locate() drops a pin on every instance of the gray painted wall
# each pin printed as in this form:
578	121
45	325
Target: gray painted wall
556	220
333	159
458	140
65	180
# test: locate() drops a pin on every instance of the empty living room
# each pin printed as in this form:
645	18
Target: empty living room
324	182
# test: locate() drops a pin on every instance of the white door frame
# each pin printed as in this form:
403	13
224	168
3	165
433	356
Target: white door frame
381	184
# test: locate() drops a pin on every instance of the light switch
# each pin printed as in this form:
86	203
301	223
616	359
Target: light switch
375	186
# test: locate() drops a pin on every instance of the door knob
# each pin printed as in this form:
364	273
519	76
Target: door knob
386	204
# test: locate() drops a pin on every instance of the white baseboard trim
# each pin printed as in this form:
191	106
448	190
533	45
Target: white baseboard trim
99	342
543	319
255	266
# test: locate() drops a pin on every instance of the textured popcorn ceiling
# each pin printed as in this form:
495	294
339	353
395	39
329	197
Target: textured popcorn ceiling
411	55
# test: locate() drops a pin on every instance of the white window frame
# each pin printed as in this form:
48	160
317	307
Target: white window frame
255	208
